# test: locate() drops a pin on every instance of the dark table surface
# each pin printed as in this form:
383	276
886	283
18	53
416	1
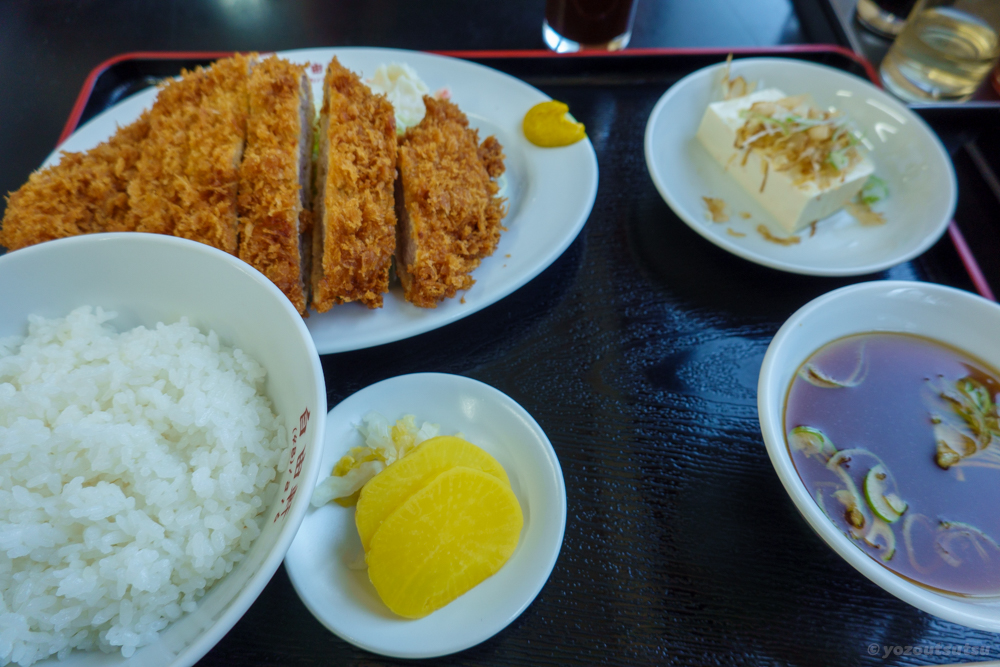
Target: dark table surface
637	351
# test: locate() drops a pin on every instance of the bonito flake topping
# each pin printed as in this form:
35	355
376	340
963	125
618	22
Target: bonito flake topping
813	144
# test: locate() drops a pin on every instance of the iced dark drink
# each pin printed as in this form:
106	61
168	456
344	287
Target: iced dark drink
572	25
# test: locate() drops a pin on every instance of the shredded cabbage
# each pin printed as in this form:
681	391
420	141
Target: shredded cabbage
385	443
405	90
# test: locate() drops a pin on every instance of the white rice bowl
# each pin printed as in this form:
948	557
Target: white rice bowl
140	466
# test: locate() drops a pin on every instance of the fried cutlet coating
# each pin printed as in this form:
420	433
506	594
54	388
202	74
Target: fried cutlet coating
154	203
449	212
355	220
83	194
271	214
186	179
216	139
491	155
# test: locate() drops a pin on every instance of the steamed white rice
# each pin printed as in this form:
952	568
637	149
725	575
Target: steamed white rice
133	468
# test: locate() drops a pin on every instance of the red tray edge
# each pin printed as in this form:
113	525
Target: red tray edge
88	85
958	240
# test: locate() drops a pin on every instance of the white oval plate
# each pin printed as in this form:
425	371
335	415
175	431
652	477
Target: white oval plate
955	317
327	544
550	191
907	154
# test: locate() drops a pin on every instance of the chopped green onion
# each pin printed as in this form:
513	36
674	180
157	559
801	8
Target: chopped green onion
979	394
838	159
875	190
811	441
884	503
881	529
818	378
949	531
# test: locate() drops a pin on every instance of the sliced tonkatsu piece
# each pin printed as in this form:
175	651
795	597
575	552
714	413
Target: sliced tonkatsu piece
83	194
447	204
216	140
186	179
153	197
275	176
354	217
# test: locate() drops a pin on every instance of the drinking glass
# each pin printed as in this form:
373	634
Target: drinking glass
575	25
884	17
946	50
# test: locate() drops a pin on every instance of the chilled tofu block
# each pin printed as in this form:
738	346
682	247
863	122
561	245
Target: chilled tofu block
794	203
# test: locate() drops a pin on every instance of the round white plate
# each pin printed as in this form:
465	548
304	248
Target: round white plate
550	191
320	560
907	155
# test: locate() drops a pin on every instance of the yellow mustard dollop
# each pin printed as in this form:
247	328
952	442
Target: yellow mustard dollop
549	125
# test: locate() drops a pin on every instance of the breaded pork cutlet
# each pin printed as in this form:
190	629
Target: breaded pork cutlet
187	176
447	204
274	187
83	194
153	198
354	230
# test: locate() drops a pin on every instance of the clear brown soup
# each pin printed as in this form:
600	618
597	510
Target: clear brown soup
926	413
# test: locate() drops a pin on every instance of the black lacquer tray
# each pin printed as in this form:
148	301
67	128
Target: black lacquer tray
638	352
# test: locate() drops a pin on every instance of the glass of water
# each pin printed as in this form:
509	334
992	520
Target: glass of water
946	50
884	17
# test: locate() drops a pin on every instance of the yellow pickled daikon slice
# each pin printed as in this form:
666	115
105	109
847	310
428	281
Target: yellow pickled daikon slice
390	488
445	539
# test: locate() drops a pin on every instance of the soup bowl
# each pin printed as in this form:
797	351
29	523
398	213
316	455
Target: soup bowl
957	318
148	279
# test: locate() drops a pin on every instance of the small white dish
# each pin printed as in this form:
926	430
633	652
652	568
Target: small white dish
550	191
341	597
907	154
963	320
